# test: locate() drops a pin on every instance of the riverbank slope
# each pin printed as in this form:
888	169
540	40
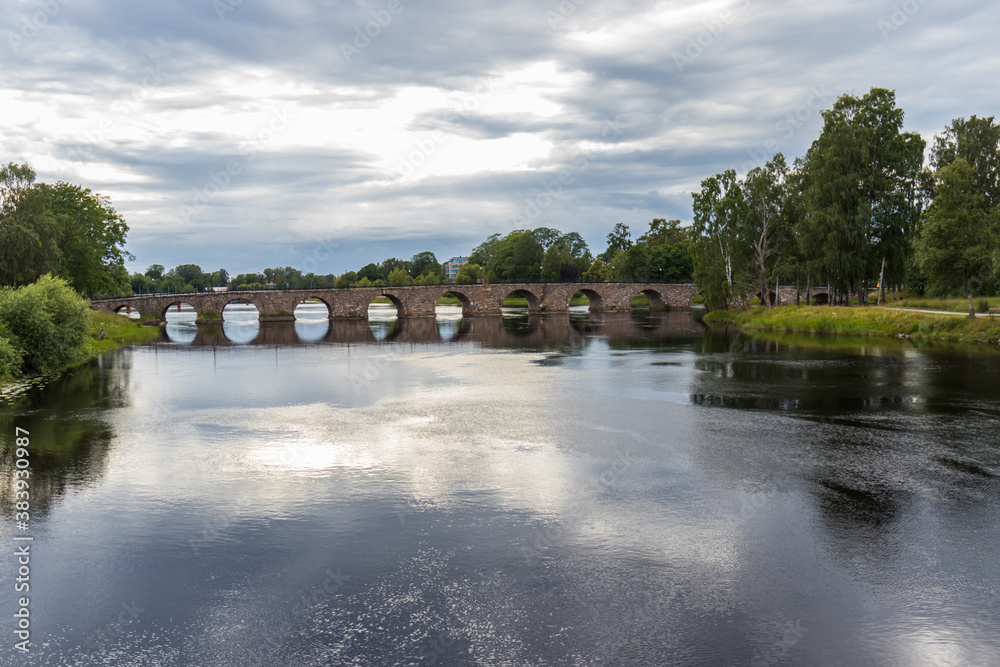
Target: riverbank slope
859	321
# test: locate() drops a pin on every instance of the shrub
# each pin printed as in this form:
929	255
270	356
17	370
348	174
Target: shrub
982	305
10	358
46	321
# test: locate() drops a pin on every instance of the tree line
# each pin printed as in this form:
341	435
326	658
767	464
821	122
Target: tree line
860	211
543	254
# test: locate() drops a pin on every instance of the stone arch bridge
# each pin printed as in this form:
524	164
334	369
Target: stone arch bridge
412	301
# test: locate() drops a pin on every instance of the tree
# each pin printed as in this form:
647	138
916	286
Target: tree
552	263
977	141
399	276
469	274
861	178
719	241
620	238
28	234
668	256
765	195
346	280
954	244
597	273
425	262
546	236
91	238
155	272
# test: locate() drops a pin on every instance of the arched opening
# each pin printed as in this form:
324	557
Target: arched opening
240	311
586	300
821	299
181	313
312	309
453	305
128	311
383	316
519	302
648	300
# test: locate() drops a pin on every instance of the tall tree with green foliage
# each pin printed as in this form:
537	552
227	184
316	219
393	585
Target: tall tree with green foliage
28	234
719	241
91	238
764	190
955	235
977	141
861	192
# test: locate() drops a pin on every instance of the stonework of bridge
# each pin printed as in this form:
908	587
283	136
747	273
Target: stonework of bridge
412	301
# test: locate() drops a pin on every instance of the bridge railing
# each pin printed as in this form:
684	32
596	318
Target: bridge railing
314	288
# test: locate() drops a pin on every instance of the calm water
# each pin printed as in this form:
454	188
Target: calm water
510	491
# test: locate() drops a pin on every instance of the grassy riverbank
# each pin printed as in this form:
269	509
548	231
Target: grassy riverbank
116	328
870	321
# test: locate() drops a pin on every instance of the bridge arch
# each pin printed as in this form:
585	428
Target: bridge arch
656	300
534	302
239	301
313	313
176	306
468	308
596	301
127	310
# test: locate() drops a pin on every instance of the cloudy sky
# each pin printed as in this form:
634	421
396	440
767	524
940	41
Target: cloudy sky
324	135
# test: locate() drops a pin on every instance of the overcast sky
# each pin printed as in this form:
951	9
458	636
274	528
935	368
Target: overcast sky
324	135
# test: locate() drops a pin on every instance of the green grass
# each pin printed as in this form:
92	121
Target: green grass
116	327
208	315
859	322
449	301
958	305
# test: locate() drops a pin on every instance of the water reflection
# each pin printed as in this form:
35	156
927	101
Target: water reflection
577	489
513	329
69	433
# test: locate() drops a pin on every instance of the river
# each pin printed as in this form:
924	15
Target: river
525	490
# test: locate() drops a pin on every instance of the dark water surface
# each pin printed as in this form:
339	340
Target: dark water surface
552	490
